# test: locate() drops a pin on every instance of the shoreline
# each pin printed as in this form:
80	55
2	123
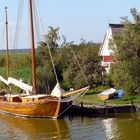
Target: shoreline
102	110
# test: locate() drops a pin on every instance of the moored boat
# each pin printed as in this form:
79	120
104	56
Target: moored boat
107	94
40	105
43	106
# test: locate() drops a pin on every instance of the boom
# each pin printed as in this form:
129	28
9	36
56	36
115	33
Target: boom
4	80
20	84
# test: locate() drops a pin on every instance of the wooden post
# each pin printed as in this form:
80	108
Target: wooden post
82	107
104	102
132	103
71	113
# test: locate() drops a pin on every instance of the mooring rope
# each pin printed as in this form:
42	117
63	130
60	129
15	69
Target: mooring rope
64	110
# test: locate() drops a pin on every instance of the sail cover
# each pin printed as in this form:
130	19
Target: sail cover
20	84
57	91
4	80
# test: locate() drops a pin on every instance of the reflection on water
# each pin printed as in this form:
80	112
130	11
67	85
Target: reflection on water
31	129
110	128
123	127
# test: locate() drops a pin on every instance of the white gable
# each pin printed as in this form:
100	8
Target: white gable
105	48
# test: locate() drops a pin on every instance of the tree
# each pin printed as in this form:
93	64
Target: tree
52	37
83	56
45	76
68	58
125	72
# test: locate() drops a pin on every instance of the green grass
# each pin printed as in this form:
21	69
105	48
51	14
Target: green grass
91	98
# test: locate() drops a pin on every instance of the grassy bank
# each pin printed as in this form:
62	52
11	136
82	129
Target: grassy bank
91	98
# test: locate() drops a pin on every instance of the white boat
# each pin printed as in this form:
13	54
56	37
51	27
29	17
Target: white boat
107	94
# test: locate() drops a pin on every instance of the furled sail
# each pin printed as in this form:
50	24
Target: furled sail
57	91
20	84
4	80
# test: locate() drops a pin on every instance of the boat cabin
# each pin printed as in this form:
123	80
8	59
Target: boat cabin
13	98
32	98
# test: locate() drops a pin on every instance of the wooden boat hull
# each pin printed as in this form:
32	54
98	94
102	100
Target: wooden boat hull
42	108
106	97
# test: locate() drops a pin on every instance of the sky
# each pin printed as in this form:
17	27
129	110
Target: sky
87	19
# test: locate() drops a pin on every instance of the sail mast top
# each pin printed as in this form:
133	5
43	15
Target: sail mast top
33	46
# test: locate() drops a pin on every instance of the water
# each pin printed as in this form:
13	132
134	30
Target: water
122	127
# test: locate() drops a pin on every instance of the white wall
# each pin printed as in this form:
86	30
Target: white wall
105	49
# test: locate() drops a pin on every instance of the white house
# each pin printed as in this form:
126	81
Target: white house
105	50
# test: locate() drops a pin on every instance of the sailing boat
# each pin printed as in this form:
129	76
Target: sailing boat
37	105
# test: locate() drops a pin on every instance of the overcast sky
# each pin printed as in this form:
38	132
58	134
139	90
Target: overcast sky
87	19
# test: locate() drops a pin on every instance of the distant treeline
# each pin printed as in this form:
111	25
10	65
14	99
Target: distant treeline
16	51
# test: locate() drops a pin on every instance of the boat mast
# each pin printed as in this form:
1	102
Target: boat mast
33	46
7	45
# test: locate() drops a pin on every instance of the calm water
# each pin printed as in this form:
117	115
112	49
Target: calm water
122	127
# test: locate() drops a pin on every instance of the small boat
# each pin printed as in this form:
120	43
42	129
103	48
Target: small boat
30	103
107	94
